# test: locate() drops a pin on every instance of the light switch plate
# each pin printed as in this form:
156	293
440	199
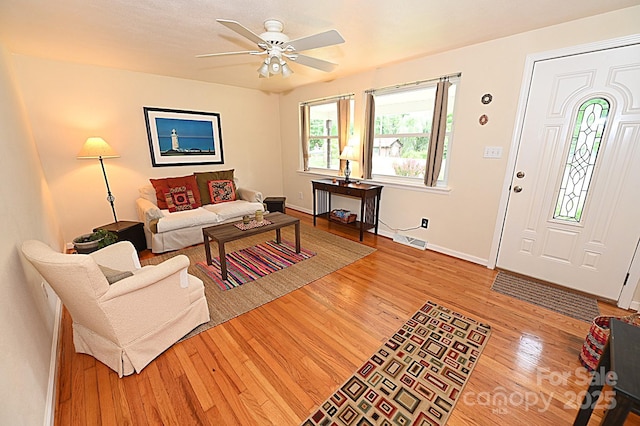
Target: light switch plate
492	152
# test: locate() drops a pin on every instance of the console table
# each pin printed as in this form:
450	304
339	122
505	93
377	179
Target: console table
369	196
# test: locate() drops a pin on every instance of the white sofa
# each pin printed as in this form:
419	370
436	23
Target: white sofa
166	231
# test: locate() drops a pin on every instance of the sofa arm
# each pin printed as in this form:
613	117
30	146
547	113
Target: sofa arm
147	211
250	195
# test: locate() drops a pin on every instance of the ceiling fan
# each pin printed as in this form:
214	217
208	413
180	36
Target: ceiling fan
277	47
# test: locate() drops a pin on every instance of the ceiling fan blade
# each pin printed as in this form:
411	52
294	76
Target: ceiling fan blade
315	63
250	52
243	31
327	38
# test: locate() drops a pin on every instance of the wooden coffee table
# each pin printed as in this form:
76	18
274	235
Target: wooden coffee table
229	232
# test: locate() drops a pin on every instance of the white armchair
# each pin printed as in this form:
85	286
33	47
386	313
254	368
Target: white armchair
130	322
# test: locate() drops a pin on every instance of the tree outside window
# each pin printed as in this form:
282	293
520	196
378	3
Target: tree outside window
323	135
402	131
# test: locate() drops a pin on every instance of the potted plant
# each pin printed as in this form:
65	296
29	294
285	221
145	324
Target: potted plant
88	243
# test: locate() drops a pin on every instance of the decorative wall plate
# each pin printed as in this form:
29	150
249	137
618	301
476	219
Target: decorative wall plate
483	119
487	98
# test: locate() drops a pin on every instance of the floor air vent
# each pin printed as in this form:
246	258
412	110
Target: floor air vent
410	241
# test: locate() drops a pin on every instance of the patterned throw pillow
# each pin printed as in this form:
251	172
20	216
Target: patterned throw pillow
180	198
203	178
163	185
221	191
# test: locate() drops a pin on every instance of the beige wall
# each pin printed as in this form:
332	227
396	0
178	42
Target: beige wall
67	103
462	221
27	315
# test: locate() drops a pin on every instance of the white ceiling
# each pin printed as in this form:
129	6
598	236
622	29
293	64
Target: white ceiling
163	36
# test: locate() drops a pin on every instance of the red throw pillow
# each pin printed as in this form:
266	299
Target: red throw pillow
162	187
180	198
221	191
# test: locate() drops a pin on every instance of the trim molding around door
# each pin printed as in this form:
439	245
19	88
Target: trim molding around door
626	297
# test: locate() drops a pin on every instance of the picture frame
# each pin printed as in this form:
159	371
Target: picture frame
183	138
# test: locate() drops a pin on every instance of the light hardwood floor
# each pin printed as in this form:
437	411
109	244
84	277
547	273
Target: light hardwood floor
275	364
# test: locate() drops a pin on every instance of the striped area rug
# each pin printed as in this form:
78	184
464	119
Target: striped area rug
254	262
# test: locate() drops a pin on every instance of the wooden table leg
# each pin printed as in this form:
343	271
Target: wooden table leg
223	260
595	387
207	248
617	414
278	236
298	237
362	218
315	213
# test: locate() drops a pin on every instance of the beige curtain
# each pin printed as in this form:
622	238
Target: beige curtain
304	135
344	106
438	130
369	132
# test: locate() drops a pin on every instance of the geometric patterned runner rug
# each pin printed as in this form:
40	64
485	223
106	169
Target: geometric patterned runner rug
415	378
562	301
253	262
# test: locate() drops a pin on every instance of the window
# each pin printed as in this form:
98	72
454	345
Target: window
402	131
322	129
581	159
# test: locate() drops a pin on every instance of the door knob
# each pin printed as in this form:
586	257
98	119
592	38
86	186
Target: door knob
517	188
520	175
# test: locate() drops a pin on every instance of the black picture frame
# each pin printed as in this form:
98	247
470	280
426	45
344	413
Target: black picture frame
183	138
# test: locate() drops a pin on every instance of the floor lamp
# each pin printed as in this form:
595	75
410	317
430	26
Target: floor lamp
98	148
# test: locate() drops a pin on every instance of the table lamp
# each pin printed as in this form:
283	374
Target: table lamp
349	154
98	148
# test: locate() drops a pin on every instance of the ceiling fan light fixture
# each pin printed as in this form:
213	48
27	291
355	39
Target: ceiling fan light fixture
275	66
286	71
278	47
263	70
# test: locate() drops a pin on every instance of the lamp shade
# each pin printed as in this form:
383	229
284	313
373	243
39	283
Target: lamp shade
264	69
96	147
349	153
286	71
275	67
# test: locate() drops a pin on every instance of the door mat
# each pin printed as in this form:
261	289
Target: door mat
562	301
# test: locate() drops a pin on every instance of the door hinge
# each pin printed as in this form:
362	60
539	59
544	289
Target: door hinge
625	280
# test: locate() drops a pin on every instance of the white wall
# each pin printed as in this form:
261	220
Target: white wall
66	103
462	221
27	316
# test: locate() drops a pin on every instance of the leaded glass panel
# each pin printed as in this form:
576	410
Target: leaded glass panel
581	159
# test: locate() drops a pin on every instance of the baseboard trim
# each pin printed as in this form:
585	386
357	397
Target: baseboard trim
459	255
52	385
300	209
436	248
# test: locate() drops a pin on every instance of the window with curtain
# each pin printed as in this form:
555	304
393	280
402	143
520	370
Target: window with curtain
403	129
326	126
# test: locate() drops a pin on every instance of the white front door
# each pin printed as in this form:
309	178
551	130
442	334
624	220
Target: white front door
573	213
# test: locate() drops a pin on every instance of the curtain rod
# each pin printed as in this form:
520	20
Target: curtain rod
345	96
415	83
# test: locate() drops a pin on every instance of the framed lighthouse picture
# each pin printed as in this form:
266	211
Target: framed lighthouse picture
183	138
